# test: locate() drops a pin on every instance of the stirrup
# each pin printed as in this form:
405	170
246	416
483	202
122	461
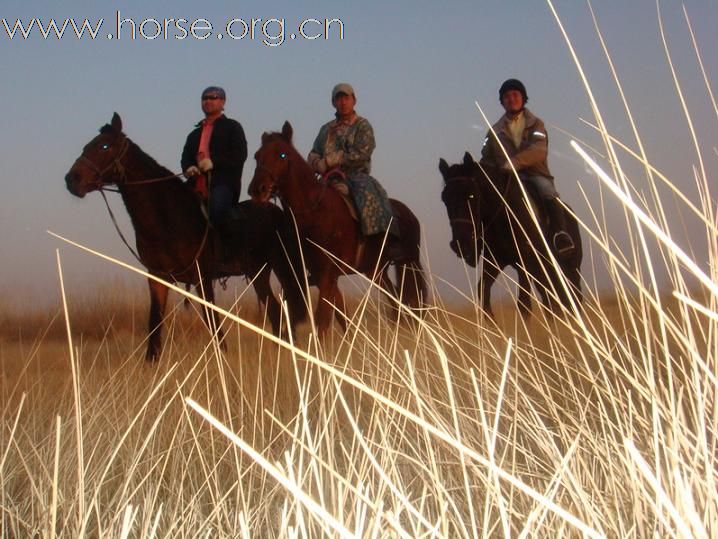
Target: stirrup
563	243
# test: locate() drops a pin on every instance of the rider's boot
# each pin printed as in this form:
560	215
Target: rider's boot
562	241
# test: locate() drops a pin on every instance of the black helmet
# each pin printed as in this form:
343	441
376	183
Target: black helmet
513	84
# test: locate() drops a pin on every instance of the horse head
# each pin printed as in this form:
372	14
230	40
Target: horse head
273	161
461	198
100	161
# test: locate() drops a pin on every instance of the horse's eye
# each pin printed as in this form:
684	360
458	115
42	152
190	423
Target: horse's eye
105	147
282	155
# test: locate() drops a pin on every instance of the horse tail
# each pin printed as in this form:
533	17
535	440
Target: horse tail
412	284
288	266
409	271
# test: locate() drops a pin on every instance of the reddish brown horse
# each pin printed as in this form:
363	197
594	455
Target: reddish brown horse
174	240
325	223
488	215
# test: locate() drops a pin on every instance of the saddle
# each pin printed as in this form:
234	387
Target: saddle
337	180
539	207
548	228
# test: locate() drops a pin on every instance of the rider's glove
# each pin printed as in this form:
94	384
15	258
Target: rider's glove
191	172
321	166
205	165
334	159
312	159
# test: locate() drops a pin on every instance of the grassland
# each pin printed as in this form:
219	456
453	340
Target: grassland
600	422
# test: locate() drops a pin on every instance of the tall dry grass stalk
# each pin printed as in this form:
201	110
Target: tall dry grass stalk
600	422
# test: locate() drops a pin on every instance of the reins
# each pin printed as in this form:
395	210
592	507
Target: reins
145	182
485	225
314	206
117	168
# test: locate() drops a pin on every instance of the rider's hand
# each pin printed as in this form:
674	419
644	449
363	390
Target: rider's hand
321	166
312	159
334	159
205	165
191	172
506	167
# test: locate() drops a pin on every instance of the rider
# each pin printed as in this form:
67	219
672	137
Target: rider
523	137
214	155
345	145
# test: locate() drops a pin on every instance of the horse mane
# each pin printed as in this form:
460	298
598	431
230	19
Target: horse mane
145	159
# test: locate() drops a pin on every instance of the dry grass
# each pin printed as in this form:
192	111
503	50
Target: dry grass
458	425
597	423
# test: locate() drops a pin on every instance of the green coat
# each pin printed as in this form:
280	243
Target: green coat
355	140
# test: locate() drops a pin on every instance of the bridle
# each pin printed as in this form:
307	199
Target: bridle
272	176
118	172
463	221
275	184
487	223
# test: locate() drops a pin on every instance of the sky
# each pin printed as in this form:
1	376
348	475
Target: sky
418	68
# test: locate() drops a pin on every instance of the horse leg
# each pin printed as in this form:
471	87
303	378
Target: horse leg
339	303
574	277
486	281
411	282
267	298
393	308
327	297
523	302
209	316
158	303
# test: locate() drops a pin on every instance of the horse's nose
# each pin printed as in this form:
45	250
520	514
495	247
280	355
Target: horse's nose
257	190
72	182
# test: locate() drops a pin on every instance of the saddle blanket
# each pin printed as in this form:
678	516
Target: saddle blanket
372	203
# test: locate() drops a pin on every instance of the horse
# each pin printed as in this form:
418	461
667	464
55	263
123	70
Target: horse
333	241
174	238
488	214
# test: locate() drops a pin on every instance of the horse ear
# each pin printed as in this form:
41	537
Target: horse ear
287	131
116	122
443	167
468	159
265	136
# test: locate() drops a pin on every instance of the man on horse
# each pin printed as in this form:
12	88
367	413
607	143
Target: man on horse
213	158
342	155
522	136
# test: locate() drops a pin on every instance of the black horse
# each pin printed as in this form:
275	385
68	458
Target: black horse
174	238
488	214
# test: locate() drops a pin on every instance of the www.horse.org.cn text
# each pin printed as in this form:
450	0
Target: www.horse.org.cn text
271	32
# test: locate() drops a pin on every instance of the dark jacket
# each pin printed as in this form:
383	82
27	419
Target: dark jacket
227	148
531	157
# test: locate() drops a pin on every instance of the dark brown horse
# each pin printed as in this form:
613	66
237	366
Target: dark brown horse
488	214
325	223
173	237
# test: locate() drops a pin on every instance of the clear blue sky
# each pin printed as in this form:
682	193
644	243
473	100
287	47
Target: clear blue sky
417	67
